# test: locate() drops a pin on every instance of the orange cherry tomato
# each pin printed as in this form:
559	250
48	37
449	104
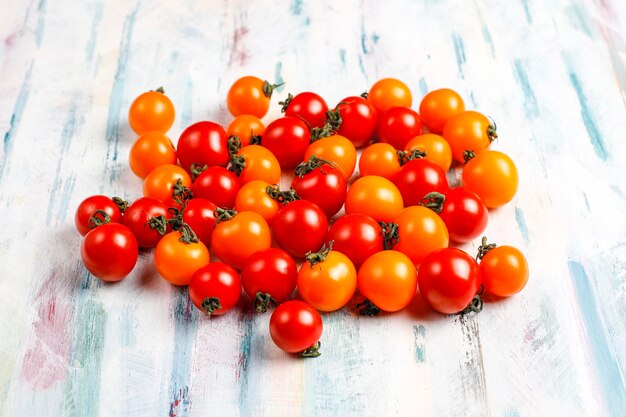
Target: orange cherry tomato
438	106
421	231
177	261
260	164
492	175
375	196
328	284
150	150
469	131
238	235
379	159
152	110
336	149
253	196
504	271
388	279
388	93
160	182
244	127
249	95
436	147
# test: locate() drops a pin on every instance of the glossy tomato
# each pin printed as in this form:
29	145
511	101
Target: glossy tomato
492	175
374	196
250	95
420	231
322	183
388	93
89	206
398	126
147	218
161	182
177	257
379	159
300	227
438	106
357	236
269	278
310	107
218	185
152	110
358	120
109	251
199	215
215	288
151	150
503	271
238	235
436	148
336	149
468	131
256	163
464	214
287	138
254	196
448	280
245	127
296	327
417	178
203	143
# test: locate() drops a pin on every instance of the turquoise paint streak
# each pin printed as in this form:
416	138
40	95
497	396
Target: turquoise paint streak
530	101
459	52
93	36
589	121
521	224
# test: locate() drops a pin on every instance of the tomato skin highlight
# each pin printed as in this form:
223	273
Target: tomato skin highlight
287	138
215	280
464	214
109	251
89	206
417	178
438	106
160	183
504	271
398	126
357	236
270	271
324	186
204	143
421	232
448	280
177	261
374	196
300	227
337	150
308	106
235	240
137	216
199	215
492	175
359	120
218	185
246	96
151	150
152	110
295	326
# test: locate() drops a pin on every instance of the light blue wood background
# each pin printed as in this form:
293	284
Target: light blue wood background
553	75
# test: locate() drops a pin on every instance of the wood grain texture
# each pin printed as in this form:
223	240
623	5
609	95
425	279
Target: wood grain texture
553	75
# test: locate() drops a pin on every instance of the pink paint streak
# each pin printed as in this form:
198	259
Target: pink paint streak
239	54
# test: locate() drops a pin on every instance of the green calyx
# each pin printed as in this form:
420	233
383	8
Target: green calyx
314	258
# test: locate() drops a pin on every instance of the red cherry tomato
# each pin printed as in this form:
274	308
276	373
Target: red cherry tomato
215	288
287	138
310	107
300	227
464	213
203	143
89	206
218	185
110	251
295	327
448	280
358	120
417	178
146	217
199	215
321	183
357	236
398	126
269	278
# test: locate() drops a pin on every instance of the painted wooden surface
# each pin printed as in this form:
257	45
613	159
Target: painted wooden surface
553	75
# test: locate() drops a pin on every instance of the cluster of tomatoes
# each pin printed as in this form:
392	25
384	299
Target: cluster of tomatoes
219	189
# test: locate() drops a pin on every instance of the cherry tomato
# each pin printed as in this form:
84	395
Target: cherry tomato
253	196
504	271
464	214
310	107
436	148
321	183
249	95
160	183
238	235
198	214
215	288
109	251
374	196
300	227
260	164
151	111
493	176
357	236
218	185
358	120
244	127
379	159
468	131
151	150
389	93
438	106
89	206
398	126
296	327
146	217
448	280
417	178
177	261
420	231
269	278
203	143
388	279
287	138
336	149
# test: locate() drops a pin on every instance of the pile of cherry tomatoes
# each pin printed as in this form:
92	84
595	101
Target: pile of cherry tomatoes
218	189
